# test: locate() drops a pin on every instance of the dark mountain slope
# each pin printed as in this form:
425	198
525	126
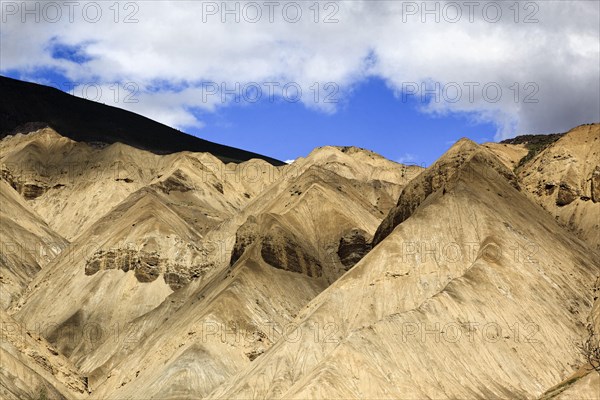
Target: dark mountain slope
88	121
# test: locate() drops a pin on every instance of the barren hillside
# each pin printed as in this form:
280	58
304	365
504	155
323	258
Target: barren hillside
341	275
477	293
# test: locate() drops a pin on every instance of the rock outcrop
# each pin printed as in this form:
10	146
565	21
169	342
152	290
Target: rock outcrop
595	185
564	178
147	267
279	247
566	194
354	245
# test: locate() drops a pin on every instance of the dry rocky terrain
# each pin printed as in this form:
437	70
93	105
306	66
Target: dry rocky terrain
127	274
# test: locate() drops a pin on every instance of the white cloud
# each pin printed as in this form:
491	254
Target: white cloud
406	158
554	61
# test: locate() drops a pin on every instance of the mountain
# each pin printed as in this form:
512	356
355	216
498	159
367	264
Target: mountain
564	178
33	369
477	293
57	175
28	244
561	173
341	275
279	262
147	221
26	105
437	177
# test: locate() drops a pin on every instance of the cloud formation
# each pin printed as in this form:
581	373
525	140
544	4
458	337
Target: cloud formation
526	67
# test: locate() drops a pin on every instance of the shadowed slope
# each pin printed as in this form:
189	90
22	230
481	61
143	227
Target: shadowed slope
87	121
32	368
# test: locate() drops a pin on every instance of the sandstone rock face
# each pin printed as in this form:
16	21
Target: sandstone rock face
125	260
566	195
353	247
279	248
245	236
176	182
28	189
32	191
595	185
563	179
284	252
147	267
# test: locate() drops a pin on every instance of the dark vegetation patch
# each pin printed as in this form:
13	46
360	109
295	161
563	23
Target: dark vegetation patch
534	143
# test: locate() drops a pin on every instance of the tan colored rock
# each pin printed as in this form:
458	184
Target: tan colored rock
495	269
583	384
190	278
33	368
259	289
434	178
354	245
566	195
561	179
27	244
595	185
509	154
71	185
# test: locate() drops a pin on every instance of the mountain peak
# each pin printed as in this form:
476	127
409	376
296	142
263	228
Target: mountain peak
464	152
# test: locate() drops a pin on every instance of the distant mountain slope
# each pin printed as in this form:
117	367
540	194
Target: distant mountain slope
262	285
340	275
533	143
87	121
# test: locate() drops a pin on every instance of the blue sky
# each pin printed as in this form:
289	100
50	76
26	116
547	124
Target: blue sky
542	60
371	117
